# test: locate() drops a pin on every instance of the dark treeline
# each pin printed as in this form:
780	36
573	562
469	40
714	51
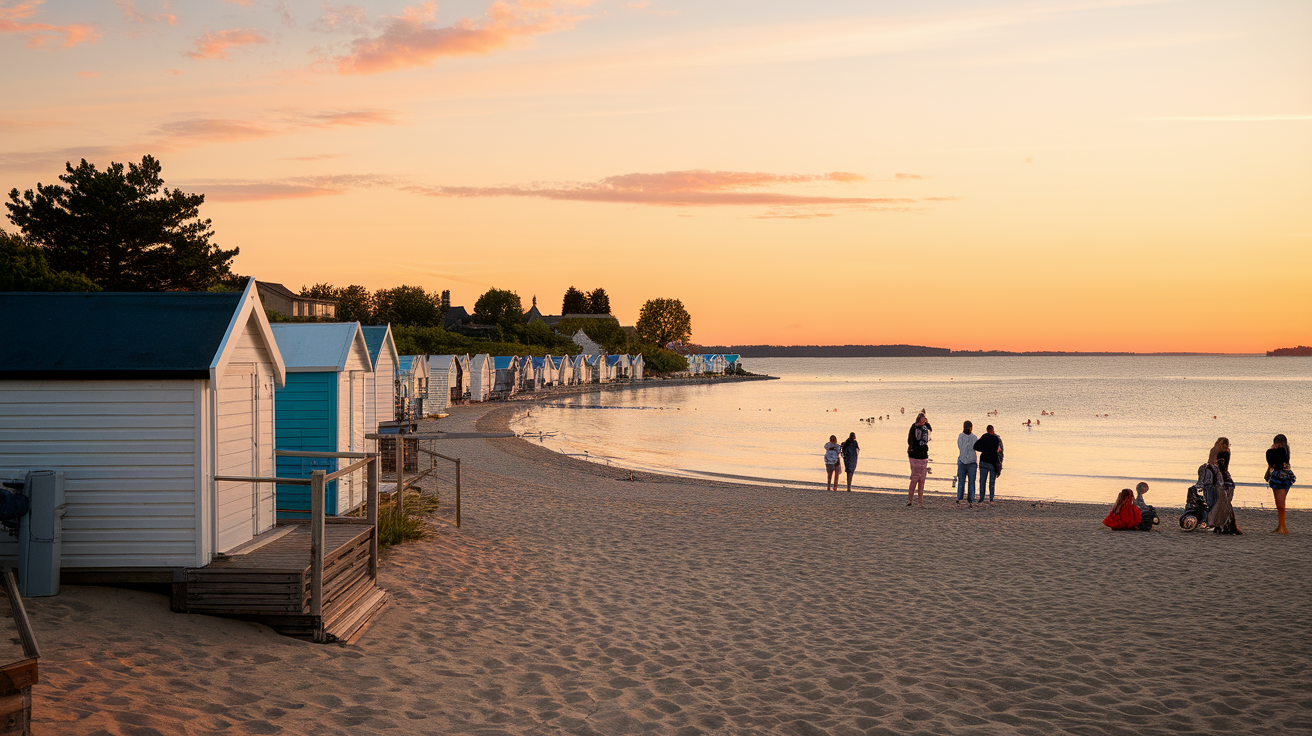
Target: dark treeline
1301	350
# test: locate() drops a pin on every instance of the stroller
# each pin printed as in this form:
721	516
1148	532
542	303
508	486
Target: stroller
1195	510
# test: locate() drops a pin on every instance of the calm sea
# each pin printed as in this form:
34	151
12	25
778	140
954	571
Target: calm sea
1110	422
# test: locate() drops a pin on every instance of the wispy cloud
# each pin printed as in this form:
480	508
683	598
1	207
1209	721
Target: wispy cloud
1240	118
14	15
316	157
693	188
215	45
225	130
909	177
414	39
132	13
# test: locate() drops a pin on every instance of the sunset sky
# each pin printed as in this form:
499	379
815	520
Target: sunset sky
1082	175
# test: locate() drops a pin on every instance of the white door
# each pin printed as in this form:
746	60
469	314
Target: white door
238	454
354	489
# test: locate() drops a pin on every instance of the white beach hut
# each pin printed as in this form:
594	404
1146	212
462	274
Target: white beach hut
636	366
322	408
139	401
507	369
444	382
380	405
482	377
466	368
412	375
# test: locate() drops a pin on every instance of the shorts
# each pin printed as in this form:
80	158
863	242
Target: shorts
831	468
919	468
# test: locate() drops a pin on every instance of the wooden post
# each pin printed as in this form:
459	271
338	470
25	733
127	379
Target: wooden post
316	542
371	488
400	473
457	493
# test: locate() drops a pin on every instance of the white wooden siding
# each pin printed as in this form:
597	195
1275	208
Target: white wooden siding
128	452
381	406
350	423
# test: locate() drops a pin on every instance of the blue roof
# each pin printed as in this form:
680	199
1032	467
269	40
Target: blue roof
612	359
538	362
374	337
404	363
731	358
502	362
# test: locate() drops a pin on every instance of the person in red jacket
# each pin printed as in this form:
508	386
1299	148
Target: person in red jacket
1124	515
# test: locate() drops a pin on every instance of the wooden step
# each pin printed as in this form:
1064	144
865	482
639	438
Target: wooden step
351	623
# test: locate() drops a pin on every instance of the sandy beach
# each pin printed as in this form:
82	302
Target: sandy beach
574	601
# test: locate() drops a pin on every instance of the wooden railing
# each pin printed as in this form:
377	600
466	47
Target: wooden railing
318	481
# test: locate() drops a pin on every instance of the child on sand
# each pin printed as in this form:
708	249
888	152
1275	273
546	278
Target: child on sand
918	454
1124	515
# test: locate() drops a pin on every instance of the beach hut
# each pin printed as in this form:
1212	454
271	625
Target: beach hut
445	381
506	379
636	366
412	374
596	368
531	373
322	408
380	404
616	365
550	371
138	401
466	368
565	370
482	377
731	362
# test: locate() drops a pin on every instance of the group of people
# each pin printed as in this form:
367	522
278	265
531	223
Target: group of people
987	465
1131	512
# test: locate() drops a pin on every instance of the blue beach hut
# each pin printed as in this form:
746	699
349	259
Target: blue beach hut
506	369
321	408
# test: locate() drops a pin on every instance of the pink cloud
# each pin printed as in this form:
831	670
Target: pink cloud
130	11
224	130
909	177
412	39
216	45
261	192
677	188
12	20
89	74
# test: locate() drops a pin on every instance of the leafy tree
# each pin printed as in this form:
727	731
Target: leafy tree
123	230
408	305
320	291
23	267
501	308
537	333
605	332
662	321
575	302
598	302
355	304
663	361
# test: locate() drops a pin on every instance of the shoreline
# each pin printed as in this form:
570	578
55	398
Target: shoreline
596	388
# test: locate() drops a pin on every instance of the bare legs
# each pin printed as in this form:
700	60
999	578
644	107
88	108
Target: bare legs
831	482
1280	508
917	486
849	479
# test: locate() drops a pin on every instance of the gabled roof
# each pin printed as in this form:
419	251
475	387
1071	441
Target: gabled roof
455	316
539	362
441	362
502	362
375	337
286	293
114	335
309	347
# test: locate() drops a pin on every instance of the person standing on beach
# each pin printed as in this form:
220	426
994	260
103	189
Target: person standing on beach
1280	477
966	463
831	463
918	453
850	449
990	450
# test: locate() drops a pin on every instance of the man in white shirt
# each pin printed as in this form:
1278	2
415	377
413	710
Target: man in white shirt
967	464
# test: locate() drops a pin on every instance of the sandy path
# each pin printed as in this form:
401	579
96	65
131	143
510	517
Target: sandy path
576	602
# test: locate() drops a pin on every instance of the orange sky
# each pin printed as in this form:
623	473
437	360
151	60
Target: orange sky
1084	175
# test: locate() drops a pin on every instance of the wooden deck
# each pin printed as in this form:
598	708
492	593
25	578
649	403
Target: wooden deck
269	581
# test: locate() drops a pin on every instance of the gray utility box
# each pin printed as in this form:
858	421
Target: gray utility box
39	534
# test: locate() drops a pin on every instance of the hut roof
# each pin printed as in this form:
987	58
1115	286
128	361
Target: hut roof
311	347
502	362
375	337
441	362
114	335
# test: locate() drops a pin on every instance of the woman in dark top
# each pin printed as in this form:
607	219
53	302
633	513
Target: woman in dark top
990	461
1222	515
918	453
1279	476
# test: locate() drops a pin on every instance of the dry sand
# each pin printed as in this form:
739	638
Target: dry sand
574	601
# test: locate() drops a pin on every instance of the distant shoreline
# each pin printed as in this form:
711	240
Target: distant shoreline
917	351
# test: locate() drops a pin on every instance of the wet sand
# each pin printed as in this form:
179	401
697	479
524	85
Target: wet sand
574	601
